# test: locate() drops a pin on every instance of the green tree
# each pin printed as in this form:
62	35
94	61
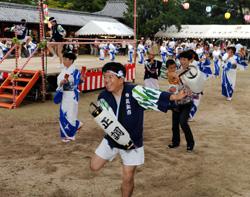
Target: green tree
155	14
29	2
88	6
79	5
152	15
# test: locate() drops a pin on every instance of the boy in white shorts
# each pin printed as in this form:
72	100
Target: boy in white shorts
129	113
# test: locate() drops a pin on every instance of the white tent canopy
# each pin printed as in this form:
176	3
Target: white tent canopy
105	28
207	31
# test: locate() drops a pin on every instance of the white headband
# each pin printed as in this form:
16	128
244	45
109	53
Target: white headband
119	74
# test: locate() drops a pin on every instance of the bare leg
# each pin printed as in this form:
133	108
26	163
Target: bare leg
127	187
27	41
59	52
51	50
97	163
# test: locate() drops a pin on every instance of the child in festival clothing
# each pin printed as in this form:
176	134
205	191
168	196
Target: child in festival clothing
112	51
172	76
217	62
130	53
229	73
102	48
140	52
152	71
204	65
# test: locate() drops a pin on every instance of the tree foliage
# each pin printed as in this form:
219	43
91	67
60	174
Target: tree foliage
29	2
153	15
80	5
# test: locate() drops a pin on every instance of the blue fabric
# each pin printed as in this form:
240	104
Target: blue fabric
112	55
241	61
131	114
205	67
130	57
227	89
193	110
77	81
164	57
141	58
164	104
216	67
69	105
170	51
58	97
66	129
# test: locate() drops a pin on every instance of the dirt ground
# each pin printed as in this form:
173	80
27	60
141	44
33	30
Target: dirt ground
34	162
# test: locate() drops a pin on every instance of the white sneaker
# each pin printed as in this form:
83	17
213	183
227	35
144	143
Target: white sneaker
229	98
71	138
65	140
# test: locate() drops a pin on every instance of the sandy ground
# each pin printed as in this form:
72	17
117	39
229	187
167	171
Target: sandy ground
34	162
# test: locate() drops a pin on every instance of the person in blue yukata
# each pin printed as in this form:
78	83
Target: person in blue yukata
130	114
67	82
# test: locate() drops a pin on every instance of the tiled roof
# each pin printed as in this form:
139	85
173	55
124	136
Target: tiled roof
114	8
15	12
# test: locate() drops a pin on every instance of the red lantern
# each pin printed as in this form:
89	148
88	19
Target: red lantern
185	6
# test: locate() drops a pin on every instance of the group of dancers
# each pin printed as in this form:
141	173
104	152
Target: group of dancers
213	60
122	99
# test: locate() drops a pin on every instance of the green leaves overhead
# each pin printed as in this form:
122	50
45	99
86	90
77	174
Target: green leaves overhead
153	15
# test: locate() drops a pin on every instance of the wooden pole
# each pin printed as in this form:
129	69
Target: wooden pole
135	40
40	7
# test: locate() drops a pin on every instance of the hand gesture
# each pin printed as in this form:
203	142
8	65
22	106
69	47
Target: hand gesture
175	97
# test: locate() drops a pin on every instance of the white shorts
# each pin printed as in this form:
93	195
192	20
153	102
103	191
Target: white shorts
134	157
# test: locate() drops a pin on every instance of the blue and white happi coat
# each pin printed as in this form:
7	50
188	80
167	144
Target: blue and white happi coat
130	53
69	124
130	109
217	62
112	52
229	76
163	52
205	68
140	52
102	48
170	51
241	62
